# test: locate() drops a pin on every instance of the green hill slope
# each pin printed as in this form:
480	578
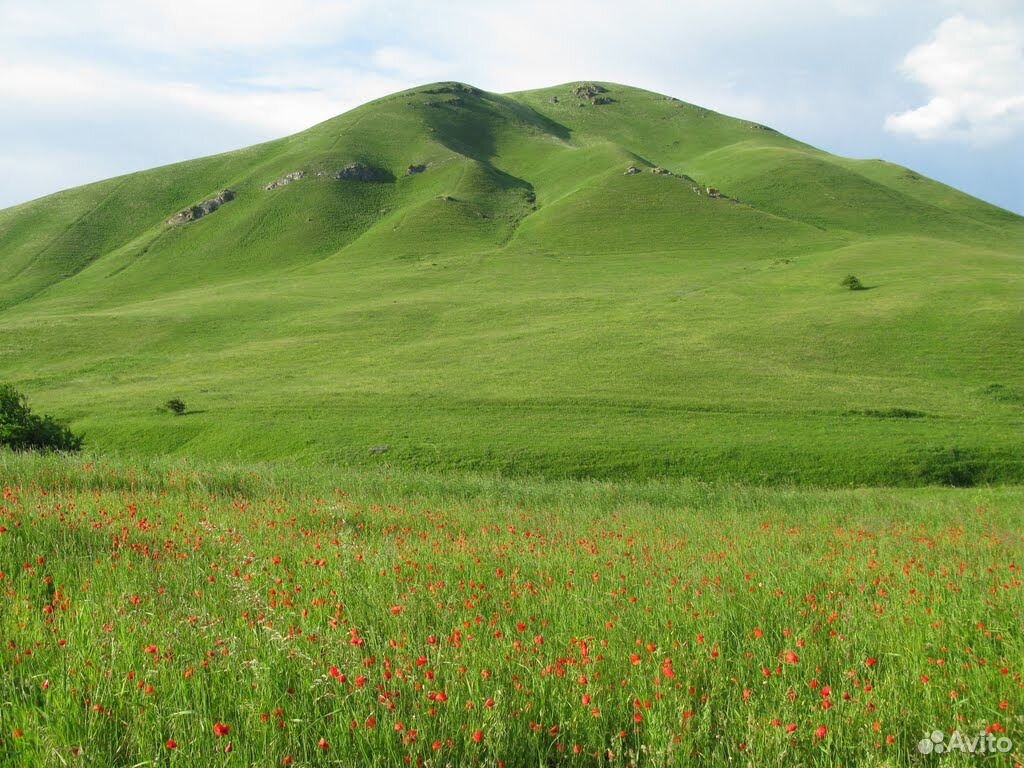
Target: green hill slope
475	280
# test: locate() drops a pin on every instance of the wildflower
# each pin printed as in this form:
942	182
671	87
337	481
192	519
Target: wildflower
221	729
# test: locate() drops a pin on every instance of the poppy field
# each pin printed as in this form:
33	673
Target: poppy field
168	615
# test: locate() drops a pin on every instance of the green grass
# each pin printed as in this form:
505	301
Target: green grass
569	622
551	317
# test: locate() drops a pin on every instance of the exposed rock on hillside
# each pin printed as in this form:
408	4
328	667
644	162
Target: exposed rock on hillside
659	171
199	210
285	180
631	171
456	88
362	172
588	90
412	170
592	92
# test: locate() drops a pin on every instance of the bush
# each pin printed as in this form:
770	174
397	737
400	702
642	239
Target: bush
853	283
176	406
22	430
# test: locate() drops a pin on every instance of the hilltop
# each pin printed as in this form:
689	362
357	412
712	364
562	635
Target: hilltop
587	280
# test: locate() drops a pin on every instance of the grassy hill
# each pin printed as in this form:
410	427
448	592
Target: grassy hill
486	287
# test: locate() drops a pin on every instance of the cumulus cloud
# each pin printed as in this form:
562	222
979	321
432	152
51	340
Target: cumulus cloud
974	73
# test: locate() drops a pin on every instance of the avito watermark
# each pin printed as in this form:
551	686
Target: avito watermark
939	743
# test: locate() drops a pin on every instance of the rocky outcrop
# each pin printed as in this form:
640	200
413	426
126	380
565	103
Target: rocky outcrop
455	88
588	90
713	192
199	210
593	93
416	168
362	172
631	171
285	180
659	171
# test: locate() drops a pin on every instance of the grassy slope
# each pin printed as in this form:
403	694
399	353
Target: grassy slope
551	315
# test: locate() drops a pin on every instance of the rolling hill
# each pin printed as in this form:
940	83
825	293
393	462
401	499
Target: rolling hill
588	280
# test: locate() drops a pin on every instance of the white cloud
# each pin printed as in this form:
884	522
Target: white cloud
184	25
286	101
974	72
408	64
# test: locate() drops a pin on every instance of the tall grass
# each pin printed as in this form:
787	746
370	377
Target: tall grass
331	618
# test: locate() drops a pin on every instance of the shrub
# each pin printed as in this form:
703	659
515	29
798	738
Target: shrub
176	406
23	430
853	283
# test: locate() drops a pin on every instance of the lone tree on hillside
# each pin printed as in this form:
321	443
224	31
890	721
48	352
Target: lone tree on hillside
23	430
853	283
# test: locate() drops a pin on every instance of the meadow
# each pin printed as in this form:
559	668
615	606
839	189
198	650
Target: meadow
164	612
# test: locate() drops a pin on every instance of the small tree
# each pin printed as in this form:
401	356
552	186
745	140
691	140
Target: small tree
176	406
853	283
22	430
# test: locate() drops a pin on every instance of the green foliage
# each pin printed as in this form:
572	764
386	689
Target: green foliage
852	282
176	406
552	317
22	430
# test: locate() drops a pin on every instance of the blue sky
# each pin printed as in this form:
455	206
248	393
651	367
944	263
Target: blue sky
95	88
